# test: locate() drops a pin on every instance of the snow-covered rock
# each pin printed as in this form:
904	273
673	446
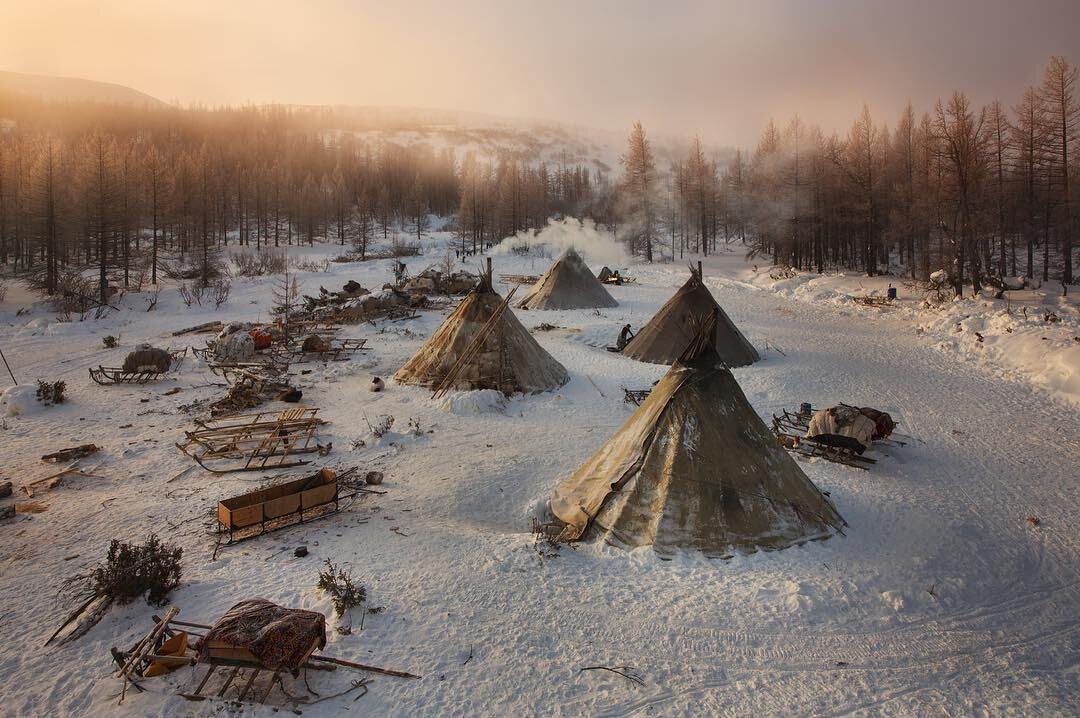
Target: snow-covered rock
20	400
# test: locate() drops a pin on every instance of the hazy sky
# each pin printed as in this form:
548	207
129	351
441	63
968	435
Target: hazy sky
719	68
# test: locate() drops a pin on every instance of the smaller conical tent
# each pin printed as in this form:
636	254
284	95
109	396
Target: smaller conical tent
482	345
694	467
668	333
567	284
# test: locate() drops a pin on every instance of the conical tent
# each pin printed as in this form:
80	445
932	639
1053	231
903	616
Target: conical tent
694	468
667	334
482	345
568	284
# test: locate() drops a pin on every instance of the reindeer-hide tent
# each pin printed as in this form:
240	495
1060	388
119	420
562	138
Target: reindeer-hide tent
568	284
664	338
482	345
694	468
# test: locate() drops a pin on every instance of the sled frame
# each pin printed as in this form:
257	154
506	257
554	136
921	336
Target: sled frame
254	442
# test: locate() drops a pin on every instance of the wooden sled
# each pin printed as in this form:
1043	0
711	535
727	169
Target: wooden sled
635	396
227	667
255	442
801	423
830	452
340	351
108	375
258	512
518	279
274	356
272	369
791	427
314	326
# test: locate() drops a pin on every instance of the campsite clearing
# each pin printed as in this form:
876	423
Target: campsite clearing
941	597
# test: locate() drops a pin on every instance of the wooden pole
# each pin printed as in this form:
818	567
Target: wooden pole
362	667
699	269
147	643
13	374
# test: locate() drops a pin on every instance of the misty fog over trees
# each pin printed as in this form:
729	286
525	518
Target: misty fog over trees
982	192
985	192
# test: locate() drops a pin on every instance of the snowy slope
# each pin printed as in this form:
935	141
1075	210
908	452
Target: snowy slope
941	598
1033	334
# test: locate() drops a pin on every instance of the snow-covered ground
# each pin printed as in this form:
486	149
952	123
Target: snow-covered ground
1031	334
940	599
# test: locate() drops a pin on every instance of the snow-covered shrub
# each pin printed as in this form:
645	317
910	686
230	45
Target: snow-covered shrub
50	392
344	592
219	292
257	264
130	570
382	425
311	265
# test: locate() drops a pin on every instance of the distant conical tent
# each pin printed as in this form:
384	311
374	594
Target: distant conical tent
482	345
694	468
667	334
568	284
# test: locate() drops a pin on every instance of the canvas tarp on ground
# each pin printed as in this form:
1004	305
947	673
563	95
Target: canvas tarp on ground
668	333
507	357
694	468
568	284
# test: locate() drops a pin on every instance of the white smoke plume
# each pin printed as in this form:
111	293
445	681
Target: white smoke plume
595	245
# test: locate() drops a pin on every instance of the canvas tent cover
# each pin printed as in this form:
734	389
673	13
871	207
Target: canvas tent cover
507	358
568	284
280	638
668	333
694	468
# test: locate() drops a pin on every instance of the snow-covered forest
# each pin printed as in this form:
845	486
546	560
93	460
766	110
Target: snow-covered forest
986	192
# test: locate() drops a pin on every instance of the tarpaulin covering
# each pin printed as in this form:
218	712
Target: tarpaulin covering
280	638
147	358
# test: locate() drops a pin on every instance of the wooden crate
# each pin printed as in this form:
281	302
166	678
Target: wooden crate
273	507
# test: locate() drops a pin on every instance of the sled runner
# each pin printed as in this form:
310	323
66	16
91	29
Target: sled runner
107	375
255	442
336	350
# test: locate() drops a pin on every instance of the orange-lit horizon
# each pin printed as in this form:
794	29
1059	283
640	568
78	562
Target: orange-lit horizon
720	69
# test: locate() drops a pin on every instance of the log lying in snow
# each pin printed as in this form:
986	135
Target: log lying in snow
71	453
205	327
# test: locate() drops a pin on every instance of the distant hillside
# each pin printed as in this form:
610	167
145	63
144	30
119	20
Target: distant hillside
73	89
487	136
